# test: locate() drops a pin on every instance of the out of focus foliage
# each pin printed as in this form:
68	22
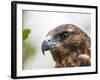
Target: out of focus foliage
28	48
26	33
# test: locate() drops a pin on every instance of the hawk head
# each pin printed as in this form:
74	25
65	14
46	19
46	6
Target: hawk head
66	36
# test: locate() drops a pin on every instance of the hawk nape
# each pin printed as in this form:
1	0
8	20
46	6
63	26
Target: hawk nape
69	46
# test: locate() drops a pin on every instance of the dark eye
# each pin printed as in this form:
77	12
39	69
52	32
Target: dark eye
64	35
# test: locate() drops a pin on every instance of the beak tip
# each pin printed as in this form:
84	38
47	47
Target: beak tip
44	47
43	52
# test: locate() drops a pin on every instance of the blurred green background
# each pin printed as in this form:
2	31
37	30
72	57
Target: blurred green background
28	49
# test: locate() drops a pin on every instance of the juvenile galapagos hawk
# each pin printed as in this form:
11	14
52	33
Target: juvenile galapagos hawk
69	46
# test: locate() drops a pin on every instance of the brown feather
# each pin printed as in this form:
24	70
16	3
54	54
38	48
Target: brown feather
74	50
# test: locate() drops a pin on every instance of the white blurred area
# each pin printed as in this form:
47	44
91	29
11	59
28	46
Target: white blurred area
40	24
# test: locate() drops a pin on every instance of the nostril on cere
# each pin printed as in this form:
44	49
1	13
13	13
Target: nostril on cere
49	40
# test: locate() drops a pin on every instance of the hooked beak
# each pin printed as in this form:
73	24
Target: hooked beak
45	47
48	44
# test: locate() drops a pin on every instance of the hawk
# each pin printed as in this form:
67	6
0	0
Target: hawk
69	46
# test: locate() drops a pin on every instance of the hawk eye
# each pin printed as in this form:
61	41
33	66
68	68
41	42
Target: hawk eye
64	35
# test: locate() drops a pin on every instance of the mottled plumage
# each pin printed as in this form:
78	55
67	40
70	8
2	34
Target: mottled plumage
69	46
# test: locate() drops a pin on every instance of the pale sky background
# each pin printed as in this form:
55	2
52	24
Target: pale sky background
41	23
